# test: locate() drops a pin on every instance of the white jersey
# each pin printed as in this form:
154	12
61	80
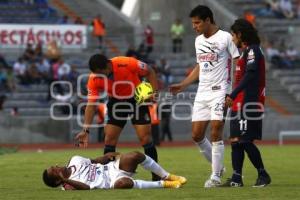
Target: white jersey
214	56
84	171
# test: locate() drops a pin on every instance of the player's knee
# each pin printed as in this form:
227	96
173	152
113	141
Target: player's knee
137	156
123	183
216	133
197	136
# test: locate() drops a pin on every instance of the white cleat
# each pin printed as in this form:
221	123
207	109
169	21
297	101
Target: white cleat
212	183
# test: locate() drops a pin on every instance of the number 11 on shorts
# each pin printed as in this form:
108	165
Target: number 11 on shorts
243	125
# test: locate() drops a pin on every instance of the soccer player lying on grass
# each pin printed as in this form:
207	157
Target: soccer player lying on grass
111	171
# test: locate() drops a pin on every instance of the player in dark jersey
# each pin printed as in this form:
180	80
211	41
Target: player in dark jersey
118	77
247	104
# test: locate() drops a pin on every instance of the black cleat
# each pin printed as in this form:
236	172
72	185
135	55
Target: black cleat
262	181
230	183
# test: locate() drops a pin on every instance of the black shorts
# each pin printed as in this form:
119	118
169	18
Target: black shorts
246	126
120	110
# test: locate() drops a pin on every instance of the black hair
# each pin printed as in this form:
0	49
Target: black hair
98	61
248	33
203	12
49	181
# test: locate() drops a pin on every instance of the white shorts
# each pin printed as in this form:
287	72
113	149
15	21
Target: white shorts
114	173
209	106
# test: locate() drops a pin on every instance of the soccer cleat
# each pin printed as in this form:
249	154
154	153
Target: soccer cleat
262	181
230	183
211	183
171	184
171	177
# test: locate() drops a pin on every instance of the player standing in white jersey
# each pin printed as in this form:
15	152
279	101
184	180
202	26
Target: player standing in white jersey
214	51
113	170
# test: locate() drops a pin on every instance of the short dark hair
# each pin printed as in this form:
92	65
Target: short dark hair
98	61
49	181
203	12
248	33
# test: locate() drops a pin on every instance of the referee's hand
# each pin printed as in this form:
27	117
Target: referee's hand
82	139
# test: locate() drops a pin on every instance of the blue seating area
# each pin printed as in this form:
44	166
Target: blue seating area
18	12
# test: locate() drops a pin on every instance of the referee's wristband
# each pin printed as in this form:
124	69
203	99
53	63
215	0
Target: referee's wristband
86	131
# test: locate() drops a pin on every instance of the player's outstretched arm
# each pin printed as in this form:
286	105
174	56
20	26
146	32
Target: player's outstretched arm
106	158
82	138
76	184
192	77
71	184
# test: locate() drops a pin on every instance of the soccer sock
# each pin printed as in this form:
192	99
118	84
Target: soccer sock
217	157
109	148
237	159
150	151
255	157
140	184
205	148
150	165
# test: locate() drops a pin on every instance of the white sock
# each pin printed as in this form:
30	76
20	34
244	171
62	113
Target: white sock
205	148
140	184
217	158
150	165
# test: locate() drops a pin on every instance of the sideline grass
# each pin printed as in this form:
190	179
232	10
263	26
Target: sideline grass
20	176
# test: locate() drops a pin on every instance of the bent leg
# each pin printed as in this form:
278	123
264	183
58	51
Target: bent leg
130	161
144	134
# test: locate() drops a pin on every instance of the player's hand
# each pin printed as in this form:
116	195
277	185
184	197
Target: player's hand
153	98
82	139
176	88
228	101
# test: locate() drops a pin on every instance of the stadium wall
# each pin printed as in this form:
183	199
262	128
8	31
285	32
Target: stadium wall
29	130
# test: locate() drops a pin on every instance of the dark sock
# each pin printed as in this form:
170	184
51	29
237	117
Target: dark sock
109	148
237	157
255	157
150	151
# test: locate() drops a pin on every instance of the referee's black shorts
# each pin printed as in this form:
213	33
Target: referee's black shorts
120	110
246	125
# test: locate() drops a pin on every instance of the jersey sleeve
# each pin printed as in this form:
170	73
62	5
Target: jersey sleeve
75	160
138	67
252	59
95	85
232	49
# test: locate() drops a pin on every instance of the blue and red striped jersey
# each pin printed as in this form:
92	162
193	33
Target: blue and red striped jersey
250	80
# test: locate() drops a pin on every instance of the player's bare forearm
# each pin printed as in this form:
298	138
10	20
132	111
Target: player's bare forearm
76	184
106	158
151	76
192	77
89	115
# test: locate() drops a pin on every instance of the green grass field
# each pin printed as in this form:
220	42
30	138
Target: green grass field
20	176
